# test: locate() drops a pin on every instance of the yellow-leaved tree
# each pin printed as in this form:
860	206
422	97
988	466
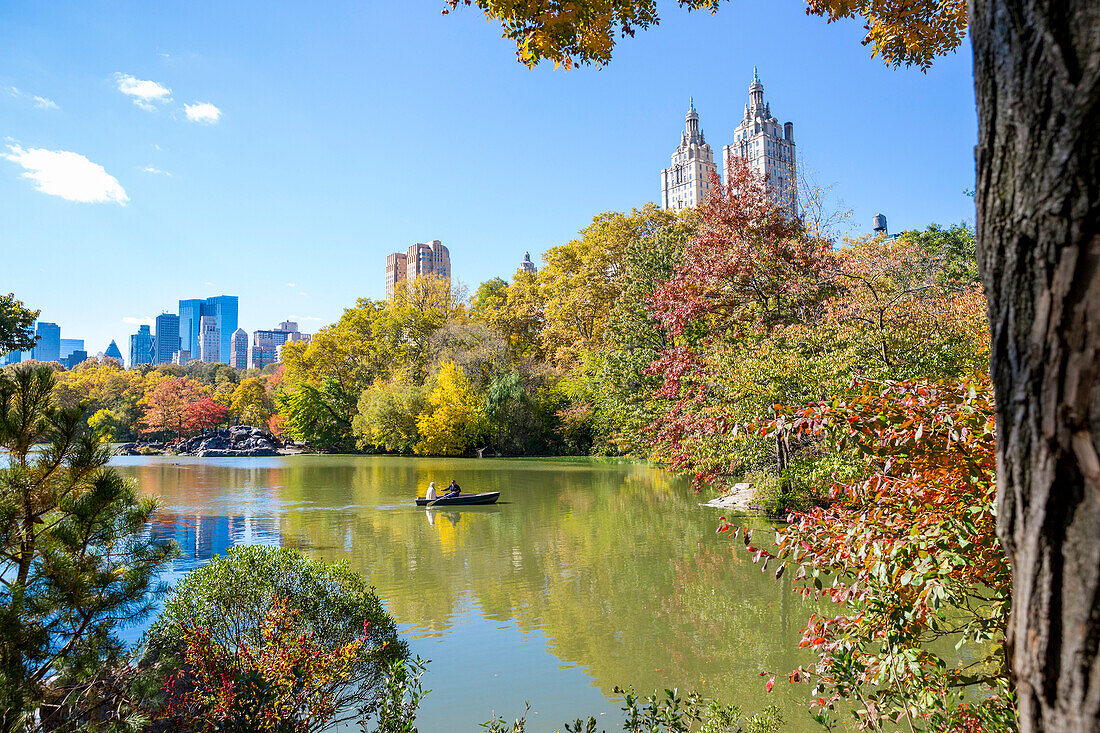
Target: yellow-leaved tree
455	418
251	403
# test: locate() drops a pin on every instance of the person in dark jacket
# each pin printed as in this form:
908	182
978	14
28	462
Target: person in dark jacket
453	489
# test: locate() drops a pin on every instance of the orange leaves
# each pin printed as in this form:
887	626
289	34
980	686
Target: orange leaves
912	552
283	684
570	32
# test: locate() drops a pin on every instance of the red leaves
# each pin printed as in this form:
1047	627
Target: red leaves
770	684
908	543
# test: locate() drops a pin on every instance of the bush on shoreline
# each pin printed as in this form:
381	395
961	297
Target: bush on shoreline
264	636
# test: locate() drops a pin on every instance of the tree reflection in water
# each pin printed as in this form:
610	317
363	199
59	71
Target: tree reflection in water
613	566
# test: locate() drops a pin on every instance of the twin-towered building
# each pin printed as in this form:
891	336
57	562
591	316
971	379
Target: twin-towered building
767	148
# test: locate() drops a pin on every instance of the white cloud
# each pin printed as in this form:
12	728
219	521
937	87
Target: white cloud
202	112
68	175
40	102
144	92
151	169
303	293
292	285
135	321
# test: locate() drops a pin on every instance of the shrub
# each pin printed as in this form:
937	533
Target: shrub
267	639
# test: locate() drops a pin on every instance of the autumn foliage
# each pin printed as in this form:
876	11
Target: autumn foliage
284	684
907	549
854	379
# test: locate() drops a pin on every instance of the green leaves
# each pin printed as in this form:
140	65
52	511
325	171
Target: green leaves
74	554
234	602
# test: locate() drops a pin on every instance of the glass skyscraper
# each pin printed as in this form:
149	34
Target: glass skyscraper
141	347
224	310
113	352
167	341
48	347
68	346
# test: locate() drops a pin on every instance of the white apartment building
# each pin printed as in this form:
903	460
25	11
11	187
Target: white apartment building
210	340
767	147
267	345
687	181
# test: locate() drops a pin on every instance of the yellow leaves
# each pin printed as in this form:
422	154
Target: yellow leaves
571	32
251	403
455	417
902	32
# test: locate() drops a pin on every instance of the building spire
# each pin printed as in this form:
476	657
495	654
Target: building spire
691	103
754	75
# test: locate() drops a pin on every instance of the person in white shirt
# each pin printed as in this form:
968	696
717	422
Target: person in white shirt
431	492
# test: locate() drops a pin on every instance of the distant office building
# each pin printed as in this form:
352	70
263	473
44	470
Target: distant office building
112	352
141	347
767	148
238	358
210	340
182	357
687	180
68	346
190	313
12	357
48	346
527	265
223	308
420	259
74	359
267	345
167	341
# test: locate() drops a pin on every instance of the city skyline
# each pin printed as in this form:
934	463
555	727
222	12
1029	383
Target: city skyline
313	171
151	345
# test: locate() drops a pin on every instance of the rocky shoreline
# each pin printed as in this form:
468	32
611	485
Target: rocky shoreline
239	441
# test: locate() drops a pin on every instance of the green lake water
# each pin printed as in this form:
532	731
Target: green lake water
587	574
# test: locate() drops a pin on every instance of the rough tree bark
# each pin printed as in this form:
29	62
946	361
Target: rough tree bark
1037	77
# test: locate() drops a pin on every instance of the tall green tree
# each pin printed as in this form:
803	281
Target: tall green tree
15	324
74	561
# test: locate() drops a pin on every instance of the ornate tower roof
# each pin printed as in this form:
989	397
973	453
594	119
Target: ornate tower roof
755	81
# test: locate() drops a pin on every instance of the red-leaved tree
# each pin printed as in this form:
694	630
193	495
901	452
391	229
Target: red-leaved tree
909	552
750	269
168	406
205	414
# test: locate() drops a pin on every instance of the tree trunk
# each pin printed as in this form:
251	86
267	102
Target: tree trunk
1036	69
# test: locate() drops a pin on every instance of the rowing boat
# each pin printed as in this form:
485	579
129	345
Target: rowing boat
489	497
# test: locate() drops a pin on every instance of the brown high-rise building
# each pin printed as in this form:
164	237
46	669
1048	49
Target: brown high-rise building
420	259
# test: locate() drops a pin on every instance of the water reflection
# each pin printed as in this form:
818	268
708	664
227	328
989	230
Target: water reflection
201	537
586	575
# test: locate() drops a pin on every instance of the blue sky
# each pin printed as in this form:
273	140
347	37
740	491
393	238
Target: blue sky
279	150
